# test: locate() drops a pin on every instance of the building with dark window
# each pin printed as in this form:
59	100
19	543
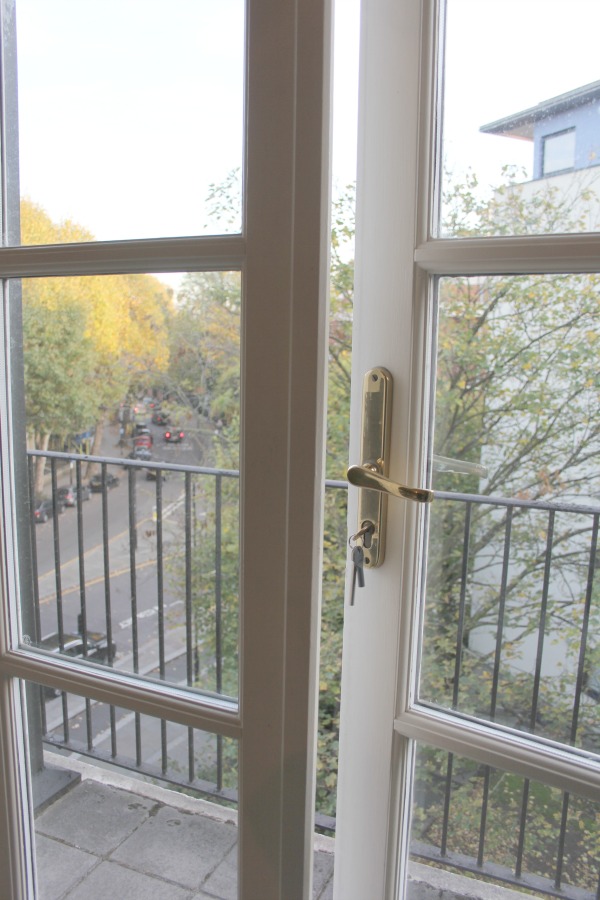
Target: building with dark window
565	131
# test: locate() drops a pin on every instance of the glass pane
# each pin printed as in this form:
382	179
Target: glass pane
130	115
121	804
473	820
521	123
135	555
512	600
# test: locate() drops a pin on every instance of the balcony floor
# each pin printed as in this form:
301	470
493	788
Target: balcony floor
111	835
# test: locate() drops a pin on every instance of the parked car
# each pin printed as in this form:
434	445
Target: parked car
97	649
69	494
174	436
44	509
143	440
160	418
142	451
96	482
97	645
141	428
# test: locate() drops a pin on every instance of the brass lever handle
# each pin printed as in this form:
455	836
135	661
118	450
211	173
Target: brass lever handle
364	477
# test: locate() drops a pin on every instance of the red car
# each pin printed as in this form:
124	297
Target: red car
174	436
143	440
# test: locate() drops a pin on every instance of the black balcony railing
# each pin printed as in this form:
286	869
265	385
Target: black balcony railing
153	568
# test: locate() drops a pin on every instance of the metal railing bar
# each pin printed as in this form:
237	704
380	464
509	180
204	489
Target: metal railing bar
65	716
160	579
164	746
58	584
88	723
522	827
35	638
82	622
161	611
189	539
107	597
191	755
218	615
460	631
585	624
495	678
447	798
483	500
154	772
131	487
138	464
536	685
189	536
484	811
501	613
560	853
81	548
56	544
542	624
135	645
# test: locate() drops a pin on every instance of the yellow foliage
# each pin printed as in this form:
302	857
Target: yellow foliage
125	315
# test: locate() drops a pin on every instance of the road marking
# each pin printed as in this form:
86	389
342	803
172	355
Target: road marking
170	508
92	581
146	613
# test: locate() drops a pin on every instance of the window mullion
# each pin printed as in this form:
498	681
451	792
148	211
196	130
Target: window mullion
196	254
535	254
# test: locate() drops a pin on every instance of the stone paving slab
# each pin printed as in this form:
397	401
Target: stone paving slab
112	880
60	866
107	839
178	846
223	881
94	817
322	874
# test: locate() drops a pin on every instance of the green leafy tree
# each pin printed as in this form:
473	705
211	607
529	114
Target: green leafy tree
517	391
61	396
204	341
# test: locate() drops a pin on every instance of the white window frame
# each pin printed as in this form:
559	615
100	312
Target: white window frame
283	256
397	256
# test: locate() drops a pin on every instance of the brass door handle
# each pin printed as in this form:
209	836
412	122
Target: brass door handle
369	478
371	475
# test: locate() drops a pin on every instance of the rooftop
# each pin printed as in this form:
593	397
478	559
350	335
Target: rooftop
520	124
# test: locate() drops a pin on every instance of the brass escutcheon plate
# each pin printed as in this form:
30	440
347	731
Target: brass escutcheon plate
375	446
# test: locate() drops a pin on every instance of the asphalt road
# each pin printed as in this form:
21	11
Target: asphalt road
111	576
109	579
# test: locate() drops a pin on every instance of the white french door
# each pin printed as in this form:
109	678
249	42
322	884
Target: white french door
408	275
282	254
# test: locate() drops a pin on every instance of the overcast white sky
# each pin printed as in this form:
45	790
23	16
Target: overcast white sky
129	109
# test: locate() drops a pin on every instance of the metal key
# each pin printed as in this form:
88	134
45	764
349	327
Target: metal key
358	561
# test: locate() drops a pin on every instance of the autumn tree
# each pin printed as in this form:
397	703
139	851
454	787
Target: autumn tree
86	340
